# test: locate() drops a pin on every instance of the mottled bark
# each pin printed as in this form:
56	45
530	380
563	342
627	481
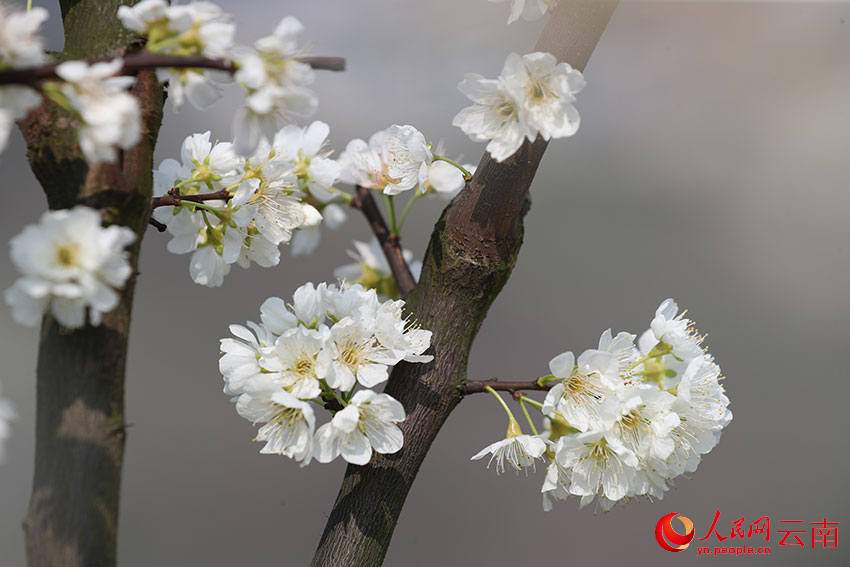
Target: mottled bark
471	254
73	513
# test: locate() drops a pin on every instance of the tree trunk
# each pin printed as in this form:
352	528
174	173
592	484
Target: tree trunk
73	513
470	257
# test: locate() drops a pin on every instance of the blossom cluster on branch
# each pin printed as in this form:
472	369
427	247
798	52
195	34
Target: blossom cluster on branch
282	193
70	265
20	46
318	350
532	96
625	419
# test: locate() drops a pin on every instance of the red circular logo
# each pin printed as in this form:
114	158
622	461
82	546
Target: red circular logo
664	532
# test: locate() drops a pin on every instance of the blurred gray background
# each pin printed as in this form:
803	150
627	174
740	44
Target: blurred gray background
711	166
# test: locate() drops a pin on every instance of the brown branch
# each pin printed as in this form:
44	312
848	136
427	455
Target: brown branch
389	242
476	387
157	225
33	76
470	257
174	199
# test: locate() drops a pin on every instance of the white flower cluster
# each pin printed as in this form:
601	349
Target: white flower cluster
372	271
624	419
109	115
7	414
530	10
399	159
70	263
20	46
275	81
276	84
267	205
316	351
197	28
533	95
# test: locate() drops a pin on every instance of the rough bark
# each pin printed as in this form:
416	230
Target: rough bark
470	257
73	513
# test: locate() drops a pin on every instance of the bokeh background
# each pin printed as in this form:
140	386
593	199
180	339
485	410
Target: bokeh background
711	165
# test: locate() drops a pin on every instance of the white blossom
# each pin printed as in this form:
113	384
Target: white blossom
372	270
410	155
71	264
197	28
600	466
520	451
109	114
547	89
304	148
676	331
445	180
366	164
497	116
530	10
15	102
20	46
367	423
301	358
241	360
556	485
533	95
276	84
583	387
289	422
7	414
320	347
306	239
625	421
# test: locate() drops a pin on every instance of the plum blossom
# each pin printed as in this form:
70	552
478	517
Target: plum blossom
7	414
20	46
520	452
320	347
70	265
289	422
197	28
109	115
410	155
367	423
532	95
625	420
276	84
371	269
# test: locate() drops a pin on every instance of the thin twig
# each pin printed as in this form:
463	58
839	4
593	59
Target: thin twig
147	60
476	387
157	225
174	199
389	243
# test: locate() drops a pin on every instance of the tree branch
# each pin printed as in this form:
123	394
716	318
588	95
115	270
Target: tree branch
80	431
470	257
389	243
476	387
174	198
33	76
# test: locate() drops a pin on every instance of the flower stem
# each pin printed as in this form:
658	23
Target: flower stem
504	405
407	208
466	175
390	206
527	417
543	380
531	402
